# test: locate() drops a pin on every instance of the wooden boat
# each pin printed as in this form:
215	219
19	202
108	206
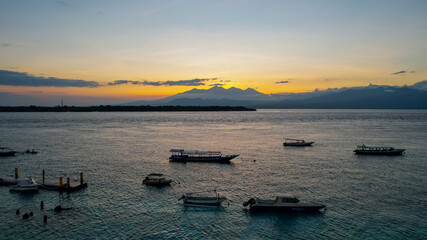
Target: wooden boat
296	143
4	151
365	150
203	198
27	184
180	155
282	203
156	179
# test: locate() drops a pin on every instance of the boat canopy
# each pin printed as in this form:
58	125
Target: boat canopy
284	195
194	152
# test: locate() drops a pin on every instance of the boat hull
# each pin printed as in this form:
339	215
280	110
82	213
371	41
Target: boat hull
222	159
389	153
305	144
258	208
6	154
157	183
24	188
204	201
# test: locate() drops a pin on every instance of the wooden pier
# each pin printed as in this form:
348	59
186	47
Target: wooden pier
45	185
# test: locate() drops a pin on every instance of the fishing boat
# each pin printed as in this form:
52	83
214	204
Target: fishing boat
180	155
27	184
31	151
282	203
296	142
4	151
365	150
157	179
203	198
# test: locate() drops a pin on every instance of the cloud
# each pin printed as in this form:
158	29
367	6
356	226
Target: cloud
192	82
24	79
62	4
400	72
10	45
282	82
216	85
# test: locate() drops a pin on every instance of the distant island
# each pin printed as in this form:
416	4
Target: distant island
109	108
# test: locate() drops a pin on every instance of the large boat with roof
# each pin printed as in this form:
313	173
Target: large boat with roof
180	155
296	142
365	150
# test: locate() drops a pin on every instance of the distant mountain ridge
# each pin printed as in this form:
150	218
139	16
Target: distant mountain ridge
371	96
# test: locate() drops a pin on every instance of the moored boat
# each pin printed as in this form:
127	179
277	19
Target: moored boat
296	142
157	179
365	150
27	184
180	155
282	203
203	198
4	151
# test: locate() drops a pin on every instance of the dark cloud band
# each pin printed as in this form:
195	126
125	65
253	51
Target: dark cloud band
12	78
282	82
192	82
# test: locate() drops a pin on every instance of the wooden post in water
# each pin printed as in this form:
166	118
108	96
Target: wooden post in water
60	182
16	173
43	173
81	178
68	183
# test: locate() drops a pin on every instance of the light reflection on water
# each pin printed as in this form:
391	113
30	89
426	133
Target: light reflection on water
364	194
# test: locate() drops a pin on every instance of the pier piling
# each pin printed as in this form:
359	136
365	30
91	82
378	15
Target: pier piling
68	183
43	175
60	182
81	178
16	173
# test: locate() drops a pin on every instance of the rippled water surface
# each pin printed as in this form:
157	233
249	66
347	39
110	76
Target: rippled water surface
378	197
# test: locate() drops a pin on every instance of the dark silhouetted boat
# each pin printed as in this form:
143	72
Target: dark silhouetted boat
365	150
203	198
31	151
282	203
157	179
180	155
296	143
4	151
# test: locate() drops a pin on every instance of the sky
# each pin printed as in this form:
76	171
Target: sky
115	51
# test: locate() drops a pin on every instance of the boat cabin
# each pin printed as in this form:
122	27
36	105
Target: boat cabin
286	198
366	148
194	153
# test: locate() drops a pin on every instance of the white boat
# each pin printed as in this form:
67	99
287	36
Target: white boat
296	142
27	184
202	198
283	202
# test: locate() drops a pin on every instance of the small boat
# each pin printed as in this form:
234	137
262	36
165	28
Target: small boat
378	150
296	143
31	151
180	155
25	185
156	179
282	203
4	151
202	199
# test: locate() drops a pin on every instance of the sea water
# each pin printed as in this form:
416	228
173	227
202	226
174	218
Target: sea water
377	197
